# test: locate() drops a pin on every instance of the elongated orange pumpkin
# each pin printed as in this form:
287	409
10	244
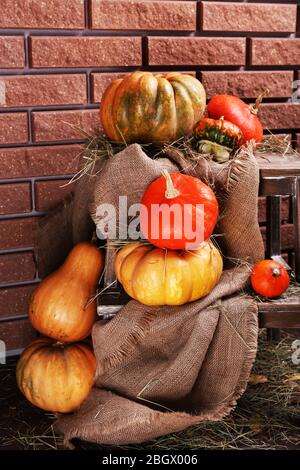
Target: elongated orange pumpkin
144	107
61	306
154	276
56	377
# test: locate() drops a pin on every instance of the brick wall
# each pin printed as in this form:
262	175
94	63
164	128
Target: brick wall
56	58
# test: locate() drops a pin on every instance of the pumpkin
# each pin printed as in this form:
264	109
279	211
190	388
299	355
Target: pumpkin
218	137
56	377
239	113
61	306
143	107
154	276
269	278
188	211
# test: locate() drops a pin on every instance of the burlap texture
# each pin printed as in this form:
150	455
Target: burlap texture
161	369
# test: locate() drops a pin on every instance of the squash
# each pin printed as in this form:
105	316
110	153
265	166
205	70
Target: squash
218	137
144	107
235	110
164	277
269	278
194	206
56	377
61	306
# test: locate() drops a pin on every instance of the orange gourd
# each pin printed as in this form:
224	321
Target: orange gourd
56	377
269	278
61	306
155	276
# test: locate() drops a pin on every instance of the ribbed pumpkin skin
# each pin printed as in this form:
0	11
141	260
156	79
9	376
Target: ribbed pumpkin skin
58	307
144	107
56	378
154	276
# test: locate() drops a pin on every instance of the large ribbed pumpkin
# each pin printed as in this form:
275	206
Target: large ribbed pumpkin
56	377
144	107
155	276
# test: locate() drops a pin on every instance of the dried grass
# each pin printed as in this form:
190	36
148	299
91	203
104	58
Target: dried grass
267	415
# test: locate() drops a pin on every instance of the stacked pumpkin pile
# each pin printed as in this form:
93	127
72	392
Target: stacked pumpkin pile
54	373
57	375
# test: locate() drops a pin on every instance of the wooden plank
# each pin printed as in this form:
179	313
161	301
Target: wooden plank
276	164
296	219
273	226
277	185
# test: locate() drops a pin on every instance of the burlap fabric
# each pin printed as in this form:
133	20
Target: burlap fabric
161	369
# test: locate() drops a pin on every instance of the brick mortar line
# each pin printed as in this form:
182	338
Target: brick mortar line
101	33
152	68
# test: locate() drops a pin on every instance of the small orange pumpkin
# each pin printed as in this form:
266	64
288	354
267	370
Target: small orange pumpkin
56	377
269	278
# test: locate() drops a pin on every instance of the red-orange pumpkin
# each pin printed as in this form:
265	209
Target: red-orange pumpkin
182	201
61	306
56	377
269	278
239	113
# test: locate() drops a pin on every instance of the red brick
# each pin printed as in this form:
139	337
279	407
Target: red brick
196	51
141	15
48	194
248	84
53	14
85	51
287	236
12	55
15	198
16	267
230	16
262	217
280	115
39	161
100	82
65	125
270	51
17	233
17	335
13	128
42	90
15	300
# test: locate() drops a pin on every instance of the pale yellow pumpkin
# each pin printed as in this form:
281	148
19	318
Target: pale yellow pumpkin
155	276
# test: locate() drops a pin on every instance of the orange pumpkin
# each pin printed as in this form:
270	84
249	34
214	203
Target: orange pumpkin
154	276
269	278
144	107
61	306
56	377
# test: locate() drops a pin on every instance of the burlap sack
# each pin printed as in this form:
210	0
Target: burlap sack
161	369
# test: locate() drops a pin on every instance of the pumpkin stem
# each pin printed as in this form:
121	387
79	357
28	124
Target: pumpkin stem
171	192
254	108
276	272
